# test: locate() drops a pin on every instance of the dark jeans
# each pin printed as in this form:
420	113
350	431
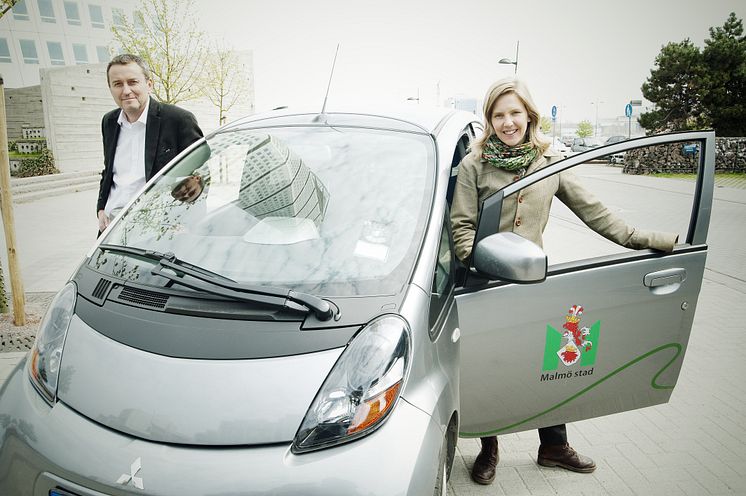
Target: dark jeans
556	434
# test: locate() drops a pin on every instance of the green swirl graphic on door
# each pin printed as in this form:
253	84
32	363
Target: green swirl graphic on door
572	345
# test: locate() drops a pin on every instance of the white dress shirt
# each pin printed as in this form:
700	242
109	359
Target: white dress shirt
129	161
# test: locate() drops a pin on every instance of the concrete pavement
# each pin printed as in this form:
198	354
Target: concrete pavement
694	445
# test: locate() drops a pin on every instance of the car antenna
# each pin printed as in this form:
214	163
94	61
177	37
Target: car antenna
322	115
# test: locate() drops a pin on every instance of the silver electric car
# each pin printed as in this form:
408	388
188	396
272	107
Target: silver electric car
280	311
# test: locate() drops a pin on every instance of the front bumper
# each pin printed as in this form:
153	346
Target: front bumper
43	448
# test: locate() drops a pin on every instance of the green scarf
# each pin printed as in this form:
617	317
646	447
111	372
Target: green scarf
510	158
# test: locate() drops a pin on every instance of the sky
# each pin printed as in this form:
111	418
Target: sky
587	58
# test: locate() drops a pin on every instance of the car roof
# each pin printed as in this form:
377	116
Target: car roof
410	118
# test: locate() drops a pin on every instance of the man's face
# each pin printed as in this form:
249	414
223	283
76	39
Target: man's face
130	88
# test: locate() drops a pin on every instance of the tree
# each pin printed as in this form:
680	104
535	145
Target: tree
675	88
696	89
5	6
165	34
226	81
724	91
585	129
546	125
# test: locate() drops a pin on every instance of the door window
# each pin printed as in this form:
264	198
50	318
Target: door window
610	205
443	279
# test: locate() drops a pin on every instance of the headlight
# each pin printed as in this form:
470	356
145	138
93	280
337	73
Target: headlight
361	389
46	354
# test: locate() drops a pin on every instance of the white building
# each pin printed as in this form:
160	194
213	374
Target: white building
53	56
38	34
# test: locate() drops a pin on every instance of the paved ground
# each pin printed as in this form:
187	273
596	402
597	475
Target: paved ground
694	445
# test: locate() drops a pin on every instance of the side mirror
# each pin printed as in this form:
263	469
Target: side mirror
509	257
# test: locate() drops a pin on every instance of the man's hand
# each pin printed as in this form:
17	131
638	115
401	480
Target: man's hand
103	221
188	189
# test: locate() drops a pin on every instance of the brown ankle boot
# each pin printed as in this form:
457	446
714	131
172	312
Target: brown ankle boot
483	471
563	456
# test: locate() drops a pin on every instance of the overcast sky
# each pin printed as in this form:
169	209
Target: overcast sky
572	52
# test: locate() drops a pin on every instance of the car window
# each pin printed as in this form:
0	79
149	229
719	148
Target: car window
443	279
328	210
633	189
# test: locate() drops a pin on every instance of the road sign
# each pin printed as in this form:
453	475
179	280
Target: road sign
554	112
628	110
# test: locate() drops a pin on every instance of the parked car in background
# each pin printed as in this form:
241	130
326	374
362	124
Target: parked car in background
690	149
567	140
616	158
585	144
280	311
561	148
615	139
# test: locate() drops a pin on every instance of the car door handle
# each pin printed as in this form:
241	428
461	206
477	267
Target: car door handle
667	277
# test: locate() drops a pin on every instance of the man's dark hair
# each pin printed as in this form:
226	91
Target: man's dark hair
128	58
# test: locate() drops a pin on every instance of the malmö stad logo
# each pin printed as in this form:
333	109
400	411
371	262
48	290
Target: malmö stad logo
572	345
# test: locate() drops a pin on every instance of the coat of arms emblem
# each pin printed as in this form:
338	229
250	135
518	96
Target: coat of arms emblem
577	341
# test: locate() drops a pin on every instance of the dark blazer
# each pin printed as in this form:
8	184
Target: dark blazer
169	130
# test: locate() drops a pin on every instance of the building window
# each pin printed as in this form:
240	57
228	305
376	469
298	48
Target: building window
20	12
4	51
117	17
102	53
97	16
139	21
72	13
46	11
28	50
55	53
81	53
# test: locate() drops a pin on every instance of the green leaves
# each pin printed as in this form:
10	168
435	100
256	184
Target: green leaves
699	89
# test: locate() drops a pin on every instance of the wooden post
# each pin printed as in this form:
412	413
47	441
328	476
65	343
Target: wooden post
6	203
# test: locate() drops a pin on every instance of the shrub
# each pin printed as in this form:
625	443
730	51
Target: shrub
38	166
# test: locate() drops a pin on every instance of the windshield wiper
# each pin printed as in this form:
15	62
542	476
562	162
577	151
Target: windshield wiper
157	257
210	282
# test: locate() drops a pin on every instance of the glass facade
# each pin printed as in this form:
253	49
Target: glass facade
97	16
28	50
72	13
56	57
46	10
4	51
80	51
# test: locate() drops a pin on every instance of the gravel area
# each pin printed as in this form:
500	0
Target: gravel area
21	338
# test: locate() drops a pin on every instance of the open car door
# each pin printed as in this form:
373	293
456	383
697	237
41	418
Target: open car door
606	330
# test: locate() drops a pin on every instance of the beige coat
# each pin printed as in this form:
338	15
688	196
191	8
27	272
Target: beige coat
526	213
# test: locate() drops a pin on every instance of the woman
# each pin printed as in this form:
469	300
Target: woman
511	147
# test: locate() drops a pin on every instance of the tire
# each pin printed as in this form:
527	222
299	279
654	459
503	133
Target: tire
441	478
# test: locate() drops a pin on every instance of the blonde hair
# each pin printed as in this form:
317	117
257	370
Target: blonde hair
519	89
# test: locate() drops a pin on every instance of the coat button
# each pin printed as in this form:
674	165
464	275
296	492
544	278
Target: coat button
520	199
518	222
515	178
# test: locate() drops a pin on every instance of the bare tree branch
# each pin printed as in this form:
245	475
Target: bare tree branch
166	35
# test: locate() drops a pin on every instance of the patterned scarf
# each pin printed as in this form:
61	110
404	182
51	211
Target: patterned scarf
510	158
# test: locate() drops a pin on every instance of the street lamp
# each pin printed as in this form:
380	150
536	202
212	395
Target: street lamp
514	62
415	98
595	129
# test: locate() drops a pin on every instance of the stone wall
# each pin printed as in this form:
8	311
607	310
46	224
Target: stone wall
730	156
75	98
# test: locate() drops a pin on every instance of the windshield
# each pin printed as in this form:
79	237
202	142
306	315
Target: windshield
333	211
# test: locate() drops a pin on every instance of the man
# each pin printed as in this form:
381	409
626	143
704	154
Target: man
140	137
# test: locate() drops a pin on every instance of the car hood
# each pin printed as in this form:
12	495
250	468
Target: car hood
188	401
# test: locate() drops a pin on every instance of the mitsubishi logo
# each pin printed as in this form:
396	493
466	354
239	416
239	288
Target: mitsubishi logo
125	479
